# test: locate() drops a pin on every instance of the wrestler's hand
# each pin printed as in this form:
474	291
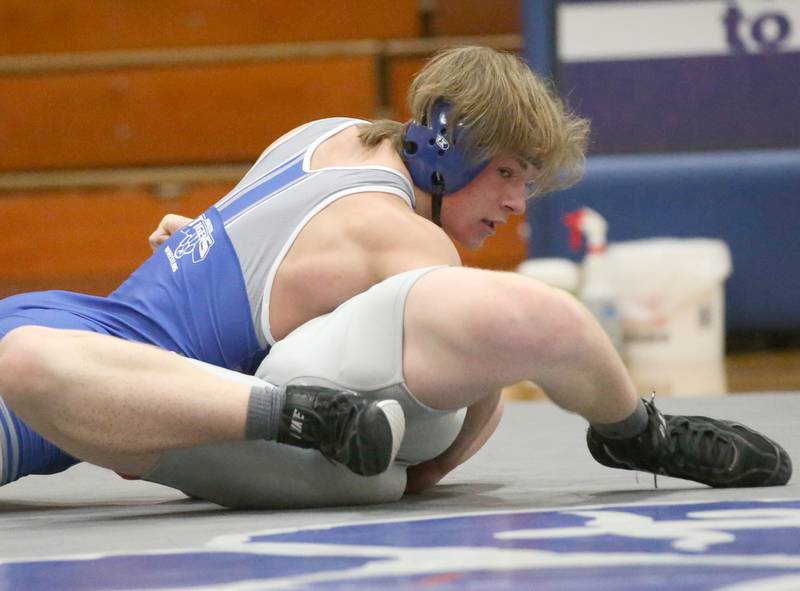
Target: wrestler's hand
170	224
480	422
423	476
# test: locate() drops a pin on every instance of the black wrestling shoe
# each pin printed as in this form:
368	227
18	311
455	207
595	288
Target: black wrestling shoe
722	454
364	436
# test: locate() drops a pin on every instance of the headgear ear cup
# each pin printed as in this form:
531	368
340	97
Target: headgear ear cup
438	165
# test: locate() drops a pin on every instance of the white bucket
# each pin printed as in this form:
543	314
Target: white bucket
671	298
561	273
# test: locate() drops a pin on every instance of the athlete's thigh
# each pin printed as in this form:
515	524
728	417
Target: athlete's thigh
468	333
360	347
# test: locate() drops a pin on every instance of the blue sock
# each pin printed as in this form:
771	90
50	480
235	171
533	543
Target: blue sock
25	452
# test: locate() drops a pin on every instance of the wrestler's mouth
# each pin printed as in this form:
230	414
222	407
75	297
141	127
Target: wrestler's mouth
492	224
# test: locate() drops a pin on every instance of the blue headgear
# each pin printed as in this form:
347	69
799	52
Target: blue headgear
438	165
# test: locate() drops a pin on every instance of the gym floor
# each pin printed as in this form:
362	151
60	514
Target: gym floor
531	510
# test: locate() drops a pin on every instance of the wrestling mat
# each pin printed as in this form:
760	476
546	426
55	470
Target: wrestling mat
531	511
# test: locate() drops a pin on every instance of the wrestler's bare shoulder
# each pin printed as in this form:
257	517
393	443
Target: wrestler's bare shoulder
382	231
382	224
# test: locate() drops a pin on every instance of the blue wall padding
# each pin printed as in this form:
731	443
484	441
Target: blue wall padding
751	200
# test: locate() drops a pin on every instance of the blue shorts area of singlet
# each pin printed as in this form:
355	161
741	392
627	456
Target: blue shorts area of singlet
53	309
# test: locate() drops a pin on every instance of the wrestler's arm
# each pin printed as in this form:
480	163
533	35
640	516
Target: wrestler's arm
480	422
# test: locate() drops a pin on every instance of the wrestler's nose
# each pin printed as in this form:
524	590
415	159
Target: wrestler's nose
514	200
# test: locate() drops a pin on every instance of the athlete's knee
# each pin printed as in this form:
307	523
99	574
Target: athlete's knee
474	313
19	351
25	362
528	316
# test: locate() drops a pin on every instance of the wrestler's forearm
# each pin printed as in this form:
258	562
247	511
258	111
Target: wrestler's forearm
480	422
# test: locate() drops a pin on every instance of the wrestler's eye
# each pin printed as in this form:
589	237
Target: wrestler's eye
506	173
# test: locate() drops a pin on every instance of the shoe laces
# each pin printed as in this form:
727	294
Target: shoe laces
690	443
698	445
331	423
659	432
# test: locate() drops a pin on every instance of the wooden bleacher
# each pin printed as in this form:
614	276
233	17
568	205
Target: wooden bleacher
114	113
59	26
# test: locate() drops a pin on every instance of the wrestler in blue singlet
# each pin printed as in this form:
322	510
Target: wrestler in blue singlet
205	293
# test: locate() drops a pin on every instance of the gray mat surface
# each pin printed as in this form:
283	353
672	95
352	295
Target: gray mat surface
537	460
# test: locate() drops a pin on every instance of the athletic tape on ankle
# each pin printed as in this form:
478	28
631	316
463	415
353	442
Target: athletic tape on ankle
629	427
263	411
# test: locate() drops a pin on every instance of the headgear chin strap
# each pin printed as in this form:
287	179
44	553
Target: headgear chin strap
438	165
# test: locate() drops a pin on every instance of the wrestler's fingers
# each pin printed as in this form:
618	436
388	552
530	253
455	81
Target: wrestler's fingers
169	224
423	476
156	239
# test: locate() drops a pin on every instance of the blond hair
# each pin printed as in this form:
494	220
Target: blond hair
505	109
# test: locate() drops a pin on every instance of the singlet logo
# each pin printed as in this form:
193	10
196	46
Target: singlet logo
197	241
